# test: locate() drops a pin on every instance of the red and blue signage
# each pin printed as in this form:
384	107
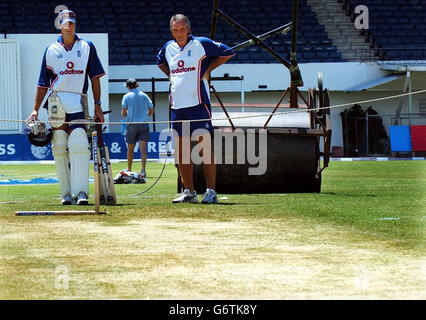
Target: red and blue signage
408	138
16	147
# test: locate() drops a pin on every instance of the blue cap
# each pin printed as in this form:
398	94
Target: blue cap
67	16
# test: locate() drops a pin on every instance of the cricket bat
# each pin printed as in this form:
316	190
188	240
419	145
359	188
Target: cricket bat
57	213
110	179
96	169
106	183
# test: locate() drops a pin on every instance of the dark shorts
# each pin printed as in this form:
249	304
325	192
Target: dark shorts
136	132
201	111
75	116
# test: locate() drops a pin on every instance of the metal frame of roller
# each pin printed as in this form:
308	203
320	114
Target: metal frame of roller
293	154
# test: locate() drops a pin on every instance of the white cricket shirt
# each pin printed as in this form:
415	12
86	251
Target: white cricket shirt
68	70
187	68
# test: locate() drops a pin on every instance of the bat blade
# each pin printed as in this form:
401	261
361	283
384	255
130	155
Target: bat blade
96	170
103	183
105	175
111	199
57	213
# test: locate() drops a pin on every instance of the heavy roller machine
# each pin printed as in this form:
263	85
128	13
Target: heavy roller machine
296	137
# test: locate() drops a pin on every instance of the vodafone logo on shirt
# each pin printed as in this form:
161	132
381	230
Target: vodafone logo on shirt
181	68
70	69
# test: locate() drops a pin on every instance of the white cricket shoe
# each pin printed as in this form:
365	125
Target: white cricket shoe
210	197
66	200
82	199
186	196
144	178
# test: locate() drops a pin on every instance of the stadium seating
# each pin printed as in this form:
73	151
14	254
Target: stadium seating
396	27
138	29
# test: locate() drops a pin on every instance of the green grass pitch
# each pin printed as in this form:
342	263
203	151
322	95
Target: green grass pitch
362	237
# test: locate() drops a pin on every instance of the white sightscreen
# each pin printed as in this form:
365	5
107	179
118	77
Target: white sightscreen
10	91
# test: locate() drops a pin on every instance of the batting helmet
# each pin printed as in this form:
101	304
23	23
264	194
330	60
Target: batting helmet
38	134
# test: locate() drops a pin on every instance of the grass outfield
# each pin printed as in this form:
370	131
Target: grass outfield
363	237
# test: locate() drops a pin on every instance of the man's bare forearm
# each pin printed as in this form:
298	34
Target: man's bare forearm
40	93
218	62
96	89
165	68
214	64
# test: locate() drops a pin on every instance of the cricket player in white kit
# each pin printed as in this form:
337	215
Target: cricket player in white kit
67	64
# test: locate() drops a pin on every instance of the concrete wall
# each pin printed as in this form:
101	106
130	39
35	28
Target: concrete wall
385	108
337	78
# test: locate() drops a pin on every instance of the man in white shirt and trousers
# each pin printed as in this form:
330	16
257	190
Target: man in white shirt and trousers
66	66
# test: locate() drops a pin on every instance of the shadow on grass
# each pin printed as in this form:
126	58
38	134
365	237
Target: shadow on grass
349	194
220	204
230	204
89	206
